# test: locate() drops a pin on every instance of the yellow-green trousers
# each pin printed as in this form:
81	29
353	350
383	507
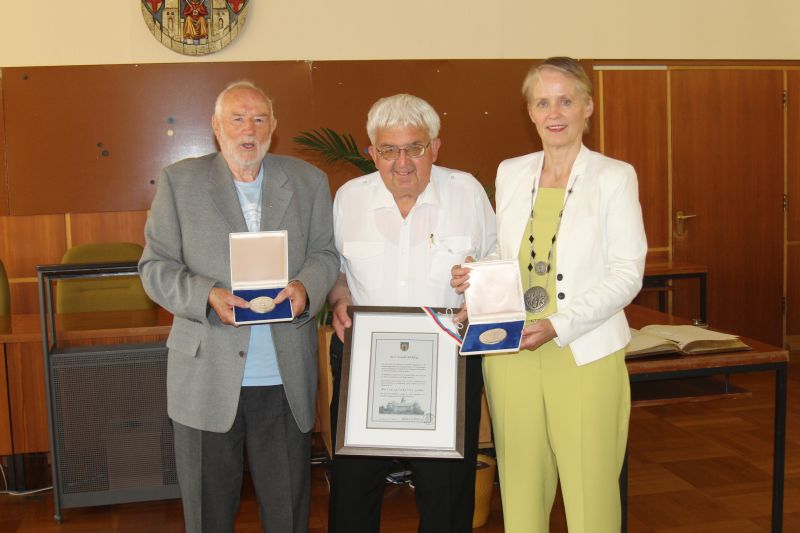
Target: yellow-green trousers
553	419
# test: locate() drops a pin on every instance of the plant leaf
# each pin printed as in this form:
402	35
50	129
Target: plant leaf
334	147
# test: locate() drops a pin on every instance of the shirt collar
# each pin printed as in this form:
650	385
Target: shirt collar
256	183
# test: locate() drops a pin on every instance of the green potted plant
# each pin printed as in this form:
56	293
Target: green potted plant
334	147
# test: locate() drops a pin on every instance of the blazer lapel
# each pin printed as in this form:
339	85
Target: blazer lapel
276	195
579	167
223	194
580	183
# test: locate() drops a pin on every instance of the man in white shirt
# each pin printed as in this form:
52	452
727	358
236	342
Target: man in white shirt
399	231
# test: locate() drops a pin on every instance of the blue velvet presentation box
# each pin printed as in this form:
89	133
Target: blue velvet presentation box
495	307
260	270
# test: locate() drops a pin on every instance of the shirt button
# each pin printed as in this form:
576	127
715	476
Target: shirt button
561	296
241	354
560	277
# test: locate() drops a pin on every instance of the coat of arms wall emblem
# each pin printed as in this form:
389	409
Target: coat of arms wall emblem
195	27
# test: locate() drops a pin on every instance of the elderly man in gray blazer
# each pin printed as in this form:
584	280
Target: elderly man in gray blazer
229	387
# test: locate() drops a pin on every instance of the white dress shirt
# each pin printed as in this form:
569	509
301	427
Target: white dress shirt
389	260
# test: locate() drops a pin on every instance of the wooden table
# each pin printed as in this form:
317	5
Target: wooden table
657	273
762	358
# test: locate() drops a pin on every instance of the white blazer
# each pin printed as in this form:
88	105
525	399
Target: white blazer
600	248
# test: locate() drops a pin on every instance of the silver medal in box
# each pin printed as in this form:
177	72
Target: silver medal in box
495	306
259	271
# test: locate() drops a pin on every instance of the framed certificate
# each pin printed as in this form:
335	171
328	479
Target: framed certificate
402	386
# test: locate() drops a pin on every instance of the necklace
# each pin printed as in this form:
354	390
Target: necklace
536	297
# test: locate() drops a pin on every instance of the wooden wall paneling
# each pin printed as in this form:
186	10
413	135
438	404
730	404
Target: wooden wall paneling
123	226
28	399
111	128
113	341
635	130
592	138
3	174
27	241
793	211
483	113
793	161
727	148
685	296
25	296
793	289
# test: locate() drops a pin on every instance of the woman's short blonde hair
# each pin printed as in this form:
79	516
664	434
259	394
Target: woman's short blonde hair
567	66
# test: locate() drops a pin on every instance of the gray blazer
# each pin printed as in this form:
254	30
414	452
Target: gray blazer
195	208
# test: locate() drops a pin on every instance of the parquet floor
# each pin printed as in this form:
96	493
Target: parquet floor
699	467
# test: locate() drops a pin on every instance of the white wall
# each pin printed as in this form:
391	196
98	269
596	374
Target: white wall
67	32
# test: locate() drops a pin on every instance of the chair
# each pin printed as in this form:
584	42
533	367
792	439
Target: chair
102	294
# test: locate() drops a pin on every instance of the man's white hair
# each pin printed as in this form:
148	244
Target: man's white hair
402	110
240	84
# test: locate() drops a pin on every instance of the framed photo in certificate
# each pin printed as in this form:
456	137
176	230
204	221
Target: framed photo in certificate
402	386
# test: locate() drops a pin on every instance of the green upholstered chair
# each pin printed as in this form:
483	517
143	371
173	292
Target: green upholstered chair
102	294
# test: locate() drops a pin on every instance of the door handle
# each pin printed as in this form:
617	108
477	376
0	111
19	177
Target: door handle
680	229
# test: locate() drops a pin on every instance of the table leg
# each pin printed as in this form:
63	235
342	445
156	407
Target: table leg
703	277
660	284
779	452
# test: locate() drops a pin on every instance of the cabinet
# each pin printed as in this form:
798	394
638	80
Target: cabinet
105	377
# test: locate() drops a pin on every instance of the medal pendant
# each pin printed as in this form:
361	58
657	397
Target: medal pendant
536	299
262	304
493	336
541	268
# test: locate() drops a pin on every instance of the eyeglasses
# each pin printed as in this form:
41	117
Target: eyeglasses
392	153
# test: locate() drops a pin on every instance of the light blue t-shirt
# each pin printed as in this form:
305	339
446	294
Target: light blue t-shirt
261	365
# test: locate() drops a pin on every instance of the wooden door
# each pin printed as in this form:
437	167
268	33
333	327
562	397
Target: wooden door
793	211
728	170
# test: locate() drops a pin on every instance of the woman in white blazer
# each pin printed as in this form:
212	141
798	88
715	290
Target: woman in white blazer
560	406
